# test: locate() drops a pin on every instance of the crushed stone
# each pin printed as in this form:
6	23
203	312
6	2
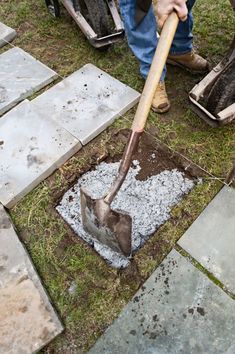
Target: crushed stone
148	202
73	287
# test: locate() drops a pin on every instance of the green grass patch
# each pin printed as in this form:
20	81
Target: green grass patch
63	259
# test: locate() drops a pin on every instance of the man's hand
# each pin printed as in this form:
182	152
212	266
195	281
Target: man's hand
165	8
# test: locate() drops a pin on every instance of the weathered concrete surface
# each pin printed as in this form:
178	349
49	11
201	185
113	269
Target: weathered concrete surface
31	148
27	319
20	76
211	238
178	310
86	102
7	34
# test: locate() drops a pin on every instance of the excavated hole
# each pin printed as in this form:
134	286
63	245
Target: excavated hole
157	181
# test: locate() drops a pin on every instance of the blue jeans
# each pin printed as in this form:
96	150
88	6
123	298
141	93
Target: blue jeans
142	38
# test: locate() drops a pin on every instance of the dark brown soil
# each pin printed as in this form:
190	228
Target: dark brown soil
154	157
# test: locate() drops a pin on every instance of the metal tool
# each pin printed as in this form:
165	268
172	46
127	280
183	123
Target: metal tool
213	98
99	20
113	228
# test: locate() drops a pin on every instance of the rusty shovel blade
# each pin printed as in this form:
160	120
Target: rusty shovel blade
109	227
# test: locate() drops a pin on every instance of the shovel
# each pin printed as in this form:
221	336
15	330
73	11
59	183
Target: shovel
114	228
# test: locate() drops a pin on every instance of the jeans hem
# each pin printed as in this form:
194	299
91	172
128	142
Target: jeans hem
181	53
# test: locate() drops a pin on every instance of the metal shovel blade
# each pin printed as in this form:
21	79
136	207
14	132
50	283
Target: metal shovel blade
109	227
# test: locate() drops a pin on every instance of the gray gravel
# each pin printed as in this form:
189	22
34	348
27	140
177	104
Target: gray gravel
148	202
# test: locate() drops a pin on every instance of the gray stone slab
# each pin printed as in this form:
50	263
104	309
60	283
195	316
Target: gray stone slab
20	76
7	34
178	310
31	148
211	238
86	102
27	318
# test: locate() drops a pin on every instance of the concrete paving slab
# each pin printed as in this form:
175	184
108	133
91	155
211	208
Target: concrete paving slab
31	148
20	76
178	310
86	102
7	34
211	238
27	318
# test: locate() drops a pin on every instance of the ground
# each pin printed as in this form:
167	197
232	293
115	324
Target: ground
61	259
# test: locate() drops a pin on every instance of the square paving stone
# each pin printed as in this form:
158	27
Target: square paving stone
20	76
27	318
31	148
211	238
178	310
7	34
86	102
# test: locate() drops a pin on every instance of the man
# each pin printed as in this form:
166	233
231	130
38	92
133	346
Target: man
141	31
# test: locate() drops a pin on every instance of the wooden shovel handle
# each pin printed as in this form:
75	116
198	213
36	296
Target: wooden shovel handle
159	60
143	109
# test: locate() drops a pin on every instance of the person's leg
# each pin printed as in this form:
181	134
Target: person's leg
142	38
183	40
181	52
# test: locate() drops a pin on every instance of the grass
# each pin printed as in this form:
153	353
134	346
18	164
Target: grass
205	271
62	259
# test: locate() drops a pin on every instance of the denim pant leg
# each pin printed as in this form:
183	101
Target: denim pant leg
142	38
183	40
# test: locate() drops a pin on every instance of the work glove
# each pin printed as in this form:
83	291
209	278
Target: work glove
165	7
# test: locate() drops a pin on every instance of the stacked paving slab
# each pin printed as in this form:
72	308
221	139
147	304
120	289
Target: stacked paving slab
36	138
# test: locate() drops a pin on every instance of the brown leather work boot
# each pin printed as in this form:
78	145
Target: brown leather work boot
161	102
190	61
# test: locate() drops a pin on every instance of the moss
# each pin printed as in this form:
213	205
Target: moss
204	271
